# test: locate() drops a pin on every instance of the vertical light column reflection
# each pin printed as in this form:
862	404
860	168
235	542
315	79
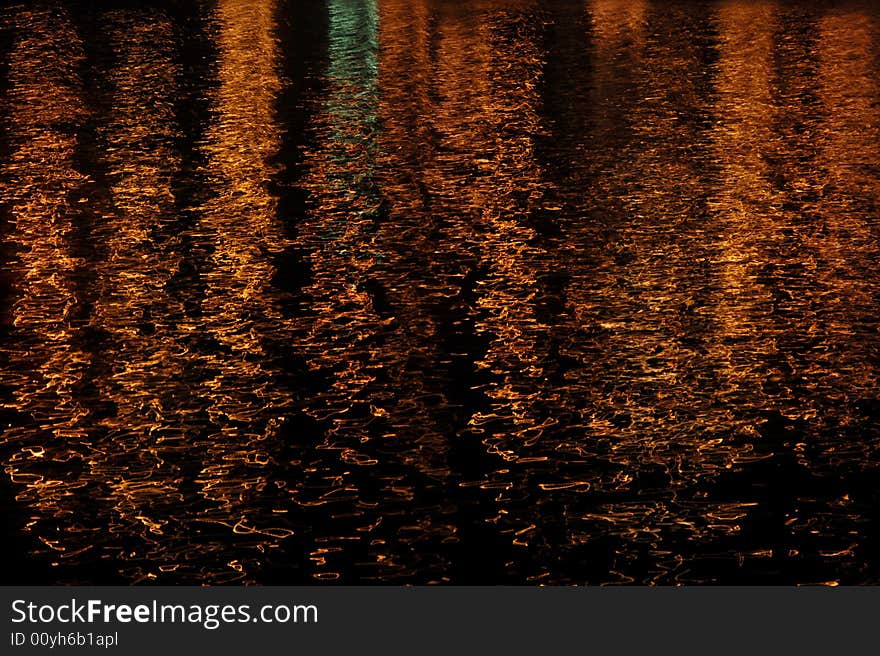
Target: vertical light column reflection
41	187
745	207
845	240
133	309
241	219
619	26
618	31
239	229
742	346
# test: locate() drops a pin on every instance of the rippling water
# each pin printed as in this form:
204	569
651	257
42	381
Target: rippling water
420	291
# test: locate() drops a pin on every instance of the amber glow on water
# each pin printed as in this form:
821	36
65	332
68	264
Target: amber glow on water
418	291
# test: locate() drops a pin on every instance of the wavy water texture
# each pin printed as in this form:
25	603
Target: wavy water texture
421	291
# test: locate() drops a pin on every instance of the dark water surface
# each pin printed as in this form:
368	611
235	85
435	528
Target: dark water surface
419	291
